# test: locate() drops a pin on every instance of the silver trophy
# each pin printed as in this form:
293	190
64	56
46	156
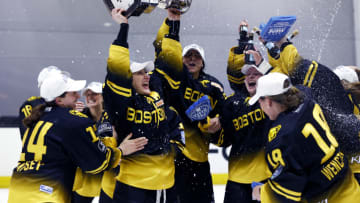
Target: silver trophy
137	7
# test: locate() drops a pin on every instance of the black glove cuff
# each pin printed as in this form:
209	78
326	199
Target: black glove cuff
174	29
285	44
121	39
240	49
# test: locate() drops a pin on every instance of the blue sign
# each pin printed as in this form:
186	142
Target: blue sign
200	109
277	28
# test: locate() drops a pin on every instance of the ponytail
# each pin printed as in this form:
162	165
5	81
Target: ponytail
36	113
291	99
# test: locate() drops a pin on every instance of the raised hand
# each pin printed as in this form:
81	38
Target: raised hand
117	15
173	14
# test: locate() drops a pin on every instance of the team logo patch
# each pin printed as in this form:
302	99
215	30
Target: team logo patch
78	113
46	189
159	103
205	82
273	132
101	146
104	128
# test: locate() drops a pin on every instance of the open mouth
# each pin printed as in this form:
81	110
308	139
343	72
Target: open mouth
252	84
146	85
91	101
192	64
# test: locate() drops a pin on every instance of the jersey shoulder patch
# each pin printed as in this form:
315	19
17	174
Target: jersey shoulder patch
32	98
78	114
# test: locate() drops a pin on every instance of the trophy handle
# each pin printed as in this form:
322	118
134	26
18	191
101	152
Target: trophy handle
109	5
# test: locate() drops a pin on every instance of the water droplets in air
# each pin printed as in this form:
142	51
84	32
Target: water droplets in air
330	23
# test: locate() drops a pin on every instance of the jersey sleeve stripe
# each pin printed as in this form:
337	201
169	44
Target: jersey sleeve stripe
296	196
174	84
311	71
126	92
104	165
235	79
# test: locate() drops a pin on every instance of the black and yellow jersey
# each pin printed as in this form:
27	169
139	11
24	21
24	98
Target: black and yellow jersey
51	150
303	156
327	89
89	185
26	109
175	83
244	127
143	116
354	159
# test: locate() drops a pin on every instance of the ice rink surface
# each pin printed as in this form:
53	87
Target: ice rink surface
219	191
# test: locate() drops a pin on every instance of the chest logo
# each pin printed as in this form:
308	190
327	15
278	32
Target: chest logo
273	132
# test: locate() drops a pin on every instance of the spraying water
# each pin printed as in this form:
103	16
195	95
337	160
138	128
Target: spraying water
330	24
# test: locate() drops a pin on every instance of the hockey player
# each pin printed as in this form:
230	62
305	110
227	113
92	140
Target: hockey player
350	80
88	186
32	102
133	107
57	140
183	82
243	127
301	152
326	88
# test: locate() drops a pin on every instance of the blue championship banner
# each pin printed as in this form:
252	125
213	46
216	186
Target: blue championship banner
277	28
200	109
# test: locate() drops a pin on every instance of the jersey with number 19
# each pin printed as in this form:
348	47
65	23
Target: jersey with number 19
51	150
305	160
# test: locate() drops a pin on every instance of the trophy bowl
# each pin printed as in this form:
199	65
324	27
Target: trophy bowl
182	5
137	7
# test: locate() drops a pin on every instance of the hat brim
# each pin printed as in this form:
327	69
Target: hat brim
75	85
147	66
92	89
195	49
246	68
254	99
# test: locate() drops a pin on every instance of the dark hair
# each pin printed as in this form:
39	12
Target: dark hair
290	99
353	88
37	112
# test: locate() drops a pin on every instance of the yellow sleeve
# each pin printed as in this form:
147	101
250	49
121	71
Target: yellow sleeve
288	61
235	63
163	30
171	54
119	61
272	61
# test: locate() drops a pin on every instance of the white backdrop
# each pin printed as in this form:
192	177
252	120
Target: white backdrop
10	147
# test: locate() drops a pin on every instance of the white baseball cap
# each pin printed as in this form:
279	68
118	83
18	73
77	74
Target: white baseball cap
270	85
93	86
57	84
47	71
346	73
196	48
135	66
246	67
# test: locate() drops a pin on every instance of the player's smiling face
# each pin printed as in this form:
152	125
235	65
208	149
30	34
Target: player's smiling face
252	75
93	99
140	83
69	100
193	61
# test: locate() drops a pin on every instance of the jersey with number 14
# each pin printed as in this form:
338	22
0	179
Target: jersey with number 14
303	155
61	140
